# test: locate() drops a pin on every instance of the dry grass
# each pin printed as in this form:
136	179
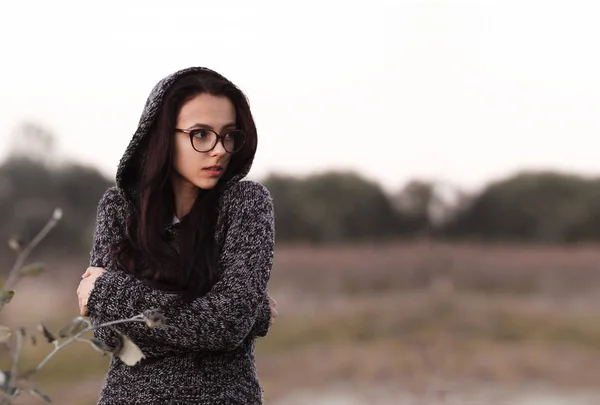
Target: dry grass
464	313
404	314
401	266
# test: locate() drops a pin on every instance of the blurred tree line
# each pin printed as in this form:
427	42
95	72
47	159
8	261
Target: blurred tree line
33	183
541	207
331	207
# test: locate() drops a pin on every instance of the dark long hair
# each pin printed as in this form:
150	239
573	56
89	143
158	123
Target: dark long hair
146	251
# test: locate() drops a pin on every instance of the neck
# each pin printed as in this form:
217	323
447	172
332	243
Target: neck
185	194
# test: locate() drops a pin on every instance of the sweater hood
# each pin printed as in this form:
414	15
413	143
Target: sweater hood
130	166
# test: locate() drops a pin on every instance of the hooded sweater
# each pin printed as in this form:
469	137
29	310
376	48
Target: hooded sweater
206	354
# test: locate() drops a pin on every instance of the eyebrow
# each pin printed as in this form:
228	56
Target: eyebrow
196	125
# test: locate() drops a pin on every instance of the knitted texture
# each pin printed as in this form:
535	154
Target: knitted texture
206	355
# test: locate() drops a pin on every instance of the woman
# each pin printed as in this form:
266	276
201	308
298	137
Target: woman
182	234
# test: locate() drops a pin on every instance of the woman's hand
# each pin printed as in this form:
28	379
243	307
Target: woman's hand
86	285
273	306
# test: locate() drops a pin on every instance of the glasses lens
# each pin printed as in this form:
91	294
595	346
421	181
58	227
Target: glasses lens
234	140
203	140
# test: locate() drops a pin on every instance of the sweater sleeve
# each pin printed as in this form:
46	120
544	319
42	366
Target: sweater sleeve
109	230
236	306
263	320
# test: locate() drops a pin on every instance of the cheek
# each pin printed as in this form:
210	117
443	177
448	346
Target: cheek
185	159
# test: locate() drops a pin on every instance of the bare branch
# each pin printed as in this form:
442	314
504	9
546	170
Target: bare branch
76	337
15	271
15	360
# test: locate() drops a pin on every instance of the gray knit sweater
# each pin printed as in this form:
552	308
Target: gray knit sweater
209	357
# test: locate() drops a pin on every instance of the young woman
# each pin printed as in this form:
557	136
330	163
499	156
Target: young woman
181	233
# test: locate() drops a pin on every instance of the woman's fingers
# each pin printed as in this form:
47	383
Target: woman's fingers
274	313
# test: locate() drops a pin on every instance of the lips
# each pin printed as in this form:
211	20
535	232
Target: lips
214	171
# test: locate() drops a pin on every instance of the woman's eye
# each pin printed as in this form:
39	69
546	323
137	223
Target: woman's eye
199	133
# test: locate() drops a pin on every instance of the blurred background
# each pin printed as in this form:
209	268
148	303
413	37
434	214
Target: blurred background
433	165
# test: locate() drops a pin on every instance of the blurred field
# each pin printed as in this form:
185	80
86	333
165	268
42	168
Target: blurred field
408	320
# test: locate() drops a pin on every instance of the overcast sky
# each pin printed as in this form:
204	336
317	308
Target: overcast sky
464	91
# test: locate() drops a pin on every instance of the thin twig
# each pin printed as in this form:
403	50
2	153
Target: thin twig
137	318
15	360
14	272
57	348
17	353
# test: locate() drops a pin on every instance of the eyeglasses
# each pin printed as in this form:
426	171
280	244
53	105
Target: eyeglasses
204	140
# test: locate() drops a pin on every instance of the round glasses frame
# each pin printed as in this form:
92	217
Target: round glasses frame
193	132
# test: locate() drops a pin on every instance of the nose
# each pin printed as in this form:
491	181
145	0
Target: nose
219	149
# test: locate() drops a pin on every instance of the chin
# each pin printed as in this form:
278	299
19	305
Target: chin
206	184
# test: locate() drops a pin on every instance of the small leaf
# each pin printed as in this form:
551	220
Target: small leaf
33	340
16	243
99	345
47	334
4	388
76	326
5	334
38	394
6	296
4	377
128	351
57	214
34	269
154	318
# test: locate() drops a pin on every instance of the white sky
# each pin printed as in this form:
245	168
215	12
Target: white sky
463	91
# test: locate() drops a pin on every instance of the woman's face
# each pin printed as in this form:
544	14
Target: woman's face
202	169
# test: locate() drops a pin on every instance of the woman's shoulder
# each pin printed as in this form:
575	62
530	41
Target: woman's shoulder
112	195
112	203
247	194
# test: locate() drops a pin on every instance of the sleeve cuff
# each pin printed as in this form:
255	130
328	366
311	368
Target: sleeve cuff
264	318
105	292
